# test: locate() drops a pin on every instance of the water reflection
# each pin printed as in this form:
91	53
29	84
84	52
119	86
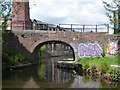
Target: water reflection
52	73
47	75
80	83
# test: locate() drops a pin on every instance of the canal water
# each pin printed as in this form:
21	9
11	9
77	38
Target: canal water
47	75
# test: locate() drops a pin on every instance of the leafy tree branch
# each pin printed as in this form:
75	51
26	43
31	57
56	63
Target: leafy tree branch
113	13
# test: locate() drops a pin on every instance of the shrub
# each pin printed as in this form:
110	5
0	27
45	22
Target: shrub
104	67
15	58
93	67
85	65
115	74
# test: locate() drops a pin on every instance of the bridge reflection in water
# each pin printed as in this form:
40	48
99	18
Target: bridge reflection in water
47	75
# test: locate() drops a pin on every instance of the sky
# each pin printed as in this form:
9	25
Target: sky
69	11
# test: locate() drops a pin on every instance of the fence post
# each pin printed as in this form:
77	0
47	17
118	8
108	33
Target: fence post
71	27
23	26
108	28
83	28
96	28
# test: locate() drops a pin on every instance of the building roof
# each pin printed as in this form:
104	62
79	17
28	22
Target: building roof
52	25
38	21
41	22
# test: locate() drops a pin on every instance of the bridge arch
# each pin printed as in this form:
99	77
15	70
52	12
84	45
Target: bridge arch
37	45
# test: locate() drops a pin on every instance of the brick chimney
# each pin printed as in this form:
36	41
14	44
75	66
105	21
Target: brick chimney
20	15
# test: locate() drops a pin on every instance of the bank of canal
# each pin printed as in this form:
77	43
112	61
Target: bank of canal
103	67
46	74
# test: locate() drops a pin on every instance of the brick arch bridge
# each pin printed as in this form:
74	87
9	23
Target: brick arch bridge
31	40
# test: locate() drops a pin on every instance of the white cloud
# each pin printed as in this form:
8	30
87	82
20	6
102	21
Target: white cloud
69	11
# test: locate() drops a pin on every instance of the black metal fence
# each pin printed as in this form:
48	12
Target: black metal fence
64	27
85	28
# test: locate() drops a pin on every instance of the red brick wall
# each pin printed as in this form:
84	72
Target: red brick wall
20	16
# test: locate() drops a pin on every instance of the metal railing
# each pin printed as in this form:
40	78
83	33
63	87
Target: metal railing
66	27
85	28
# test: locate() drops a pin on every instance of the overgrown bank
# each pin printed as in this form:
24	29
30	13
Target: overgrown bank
99	67
107	67
12	55
13	58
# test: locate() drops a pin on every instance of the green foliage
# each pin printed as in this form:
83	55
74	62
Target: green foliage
113	8
86	66
115	74
5	8
84	62
4	34
103	67
12	58
43	48
93	67
118	57
42	52
102	63
5	13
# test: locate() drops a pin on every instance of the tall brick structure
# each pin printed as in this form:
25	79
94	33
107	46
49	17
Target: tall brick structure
20	16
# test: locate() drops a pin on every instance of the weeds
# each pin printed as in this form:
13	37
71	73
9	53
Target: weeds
12	58
102	64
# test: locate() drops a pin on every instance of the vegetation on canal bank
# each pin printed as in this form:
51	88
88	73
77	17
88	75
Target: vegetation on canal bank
42	53
13	58
102	66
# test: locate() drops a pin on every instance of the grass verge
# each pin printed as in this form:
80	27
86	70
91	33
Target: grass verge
102	64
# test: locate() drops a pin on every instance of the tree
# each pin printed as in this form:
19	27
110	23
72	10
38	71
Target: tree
113	12
6	10
5	13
